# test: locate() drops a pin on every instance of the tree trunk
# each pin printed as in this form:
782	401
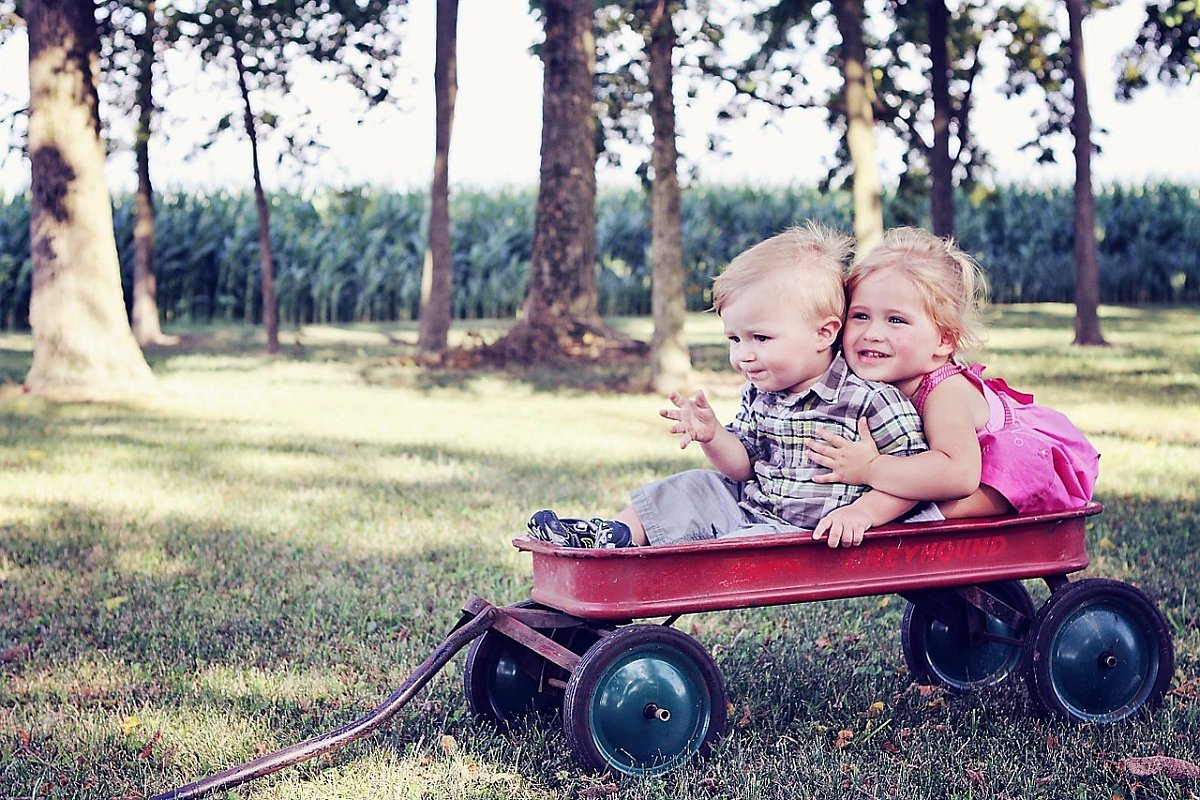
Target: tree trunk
560	316
144	315
860	129
266	258
1087	262
670	362
562	272
82	343
941	166
437	280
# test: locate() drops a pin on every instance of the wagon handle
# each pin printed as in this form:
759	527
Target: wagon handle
482	615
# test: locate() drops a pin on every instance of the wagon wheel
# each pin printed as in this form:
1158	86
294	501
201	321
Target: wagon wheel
643	701
504	681
1099	651
943	655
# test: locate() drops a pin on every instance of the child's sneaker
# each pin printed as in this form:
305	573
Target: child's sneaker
545	526
609	534
568	532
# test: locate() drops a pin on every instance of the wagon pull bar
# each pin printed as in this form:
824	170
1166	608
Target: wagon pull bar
478	616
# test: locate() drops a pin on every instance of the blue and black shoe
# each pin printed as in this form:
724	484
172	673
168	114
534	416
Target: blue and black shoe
604	534
545	526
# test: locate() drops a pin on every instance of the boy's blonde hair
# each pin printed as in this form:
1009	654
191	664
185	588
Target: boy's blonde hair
951	282
810	261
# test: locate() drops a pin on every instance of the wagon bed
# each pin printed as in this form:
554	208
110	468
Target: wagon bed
773	569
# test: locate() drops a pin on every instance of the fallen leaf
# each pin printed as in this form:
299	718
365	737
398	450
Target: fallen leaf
889	747
449	745
744	722
17	652
844	737
875	709
113	603
1174	768
129	724
976	776
149	748
1052	743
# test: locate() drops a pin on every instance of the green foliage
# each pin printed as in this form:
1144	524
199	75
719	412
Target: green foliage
356	256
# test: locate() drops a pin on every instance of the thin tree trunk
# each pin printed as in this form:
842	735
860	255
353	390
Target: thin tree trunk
437	280
562	272
860	129
670	362
82	343
1087	262
941	166
144	315
266	258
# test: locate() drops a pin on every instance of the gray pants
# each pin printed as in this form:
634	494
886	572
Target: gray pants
698	505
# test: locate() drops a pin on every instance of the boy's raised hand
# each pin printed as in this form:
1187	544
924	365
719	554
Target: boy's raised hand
848	461
695	421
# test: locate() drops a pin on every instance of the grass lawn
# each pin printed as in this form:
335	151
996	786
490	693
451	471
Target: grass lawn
266	552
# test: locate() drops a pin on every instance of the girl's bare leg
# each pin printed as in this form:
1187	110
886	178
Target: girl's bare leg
984	502
630	518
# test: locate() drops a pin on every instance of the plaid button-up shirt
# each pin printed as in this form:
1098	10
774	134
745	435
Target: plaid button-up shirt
777	428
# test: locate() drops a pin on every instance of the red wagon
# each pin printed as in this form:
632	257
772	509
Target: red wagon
641	698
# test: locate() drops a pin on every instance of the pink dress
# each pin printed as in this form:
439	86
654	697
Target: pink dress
1032	455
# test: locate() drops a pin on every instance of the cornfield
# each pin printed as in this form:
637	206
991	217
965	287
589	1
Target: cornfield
356	256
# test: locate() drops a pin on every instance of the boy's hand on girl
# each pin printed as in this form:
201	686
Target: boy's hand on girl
843	527
694	419
848	461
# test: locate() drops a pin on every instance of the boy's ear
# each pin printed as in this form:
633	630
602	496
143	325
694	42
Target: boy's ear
827	332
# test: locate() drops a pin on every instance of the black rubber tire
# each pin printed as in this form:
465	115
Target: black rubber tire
644	700
937	655
498	690
1099	651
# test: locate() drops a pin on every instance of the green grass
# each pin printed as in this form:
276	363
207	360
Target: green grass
266	552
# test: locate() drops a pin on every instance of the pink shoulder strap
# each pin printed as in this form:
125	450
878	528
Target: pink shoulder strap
932	380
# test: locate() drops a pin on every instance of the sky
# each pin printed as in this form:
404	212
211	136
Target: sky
496	134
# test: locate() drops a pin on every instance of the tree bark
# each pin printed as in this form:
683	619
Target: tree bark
82	343
266	257
670	361
1087	262
860	128
562	272
437	279
144	312
941	166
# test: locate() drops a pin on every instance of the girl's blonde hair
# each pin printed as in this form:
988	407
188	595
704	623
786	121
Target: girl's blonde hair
809	261
953	285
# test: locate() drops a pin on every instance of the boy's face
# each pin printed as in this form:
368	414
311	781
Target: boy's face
776	345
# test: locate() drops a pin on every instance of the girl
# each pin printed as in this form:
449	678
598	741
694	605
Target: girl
913	307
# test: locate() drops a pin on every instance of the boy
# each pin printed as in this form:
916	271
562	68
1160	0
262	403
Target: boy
781	303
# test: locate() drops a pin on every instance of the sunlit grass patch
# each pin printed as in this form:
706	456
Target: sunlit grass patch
267	551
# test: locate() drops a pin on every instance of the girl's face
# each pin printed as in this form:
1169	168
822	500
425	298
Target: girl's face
776	346
889	335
